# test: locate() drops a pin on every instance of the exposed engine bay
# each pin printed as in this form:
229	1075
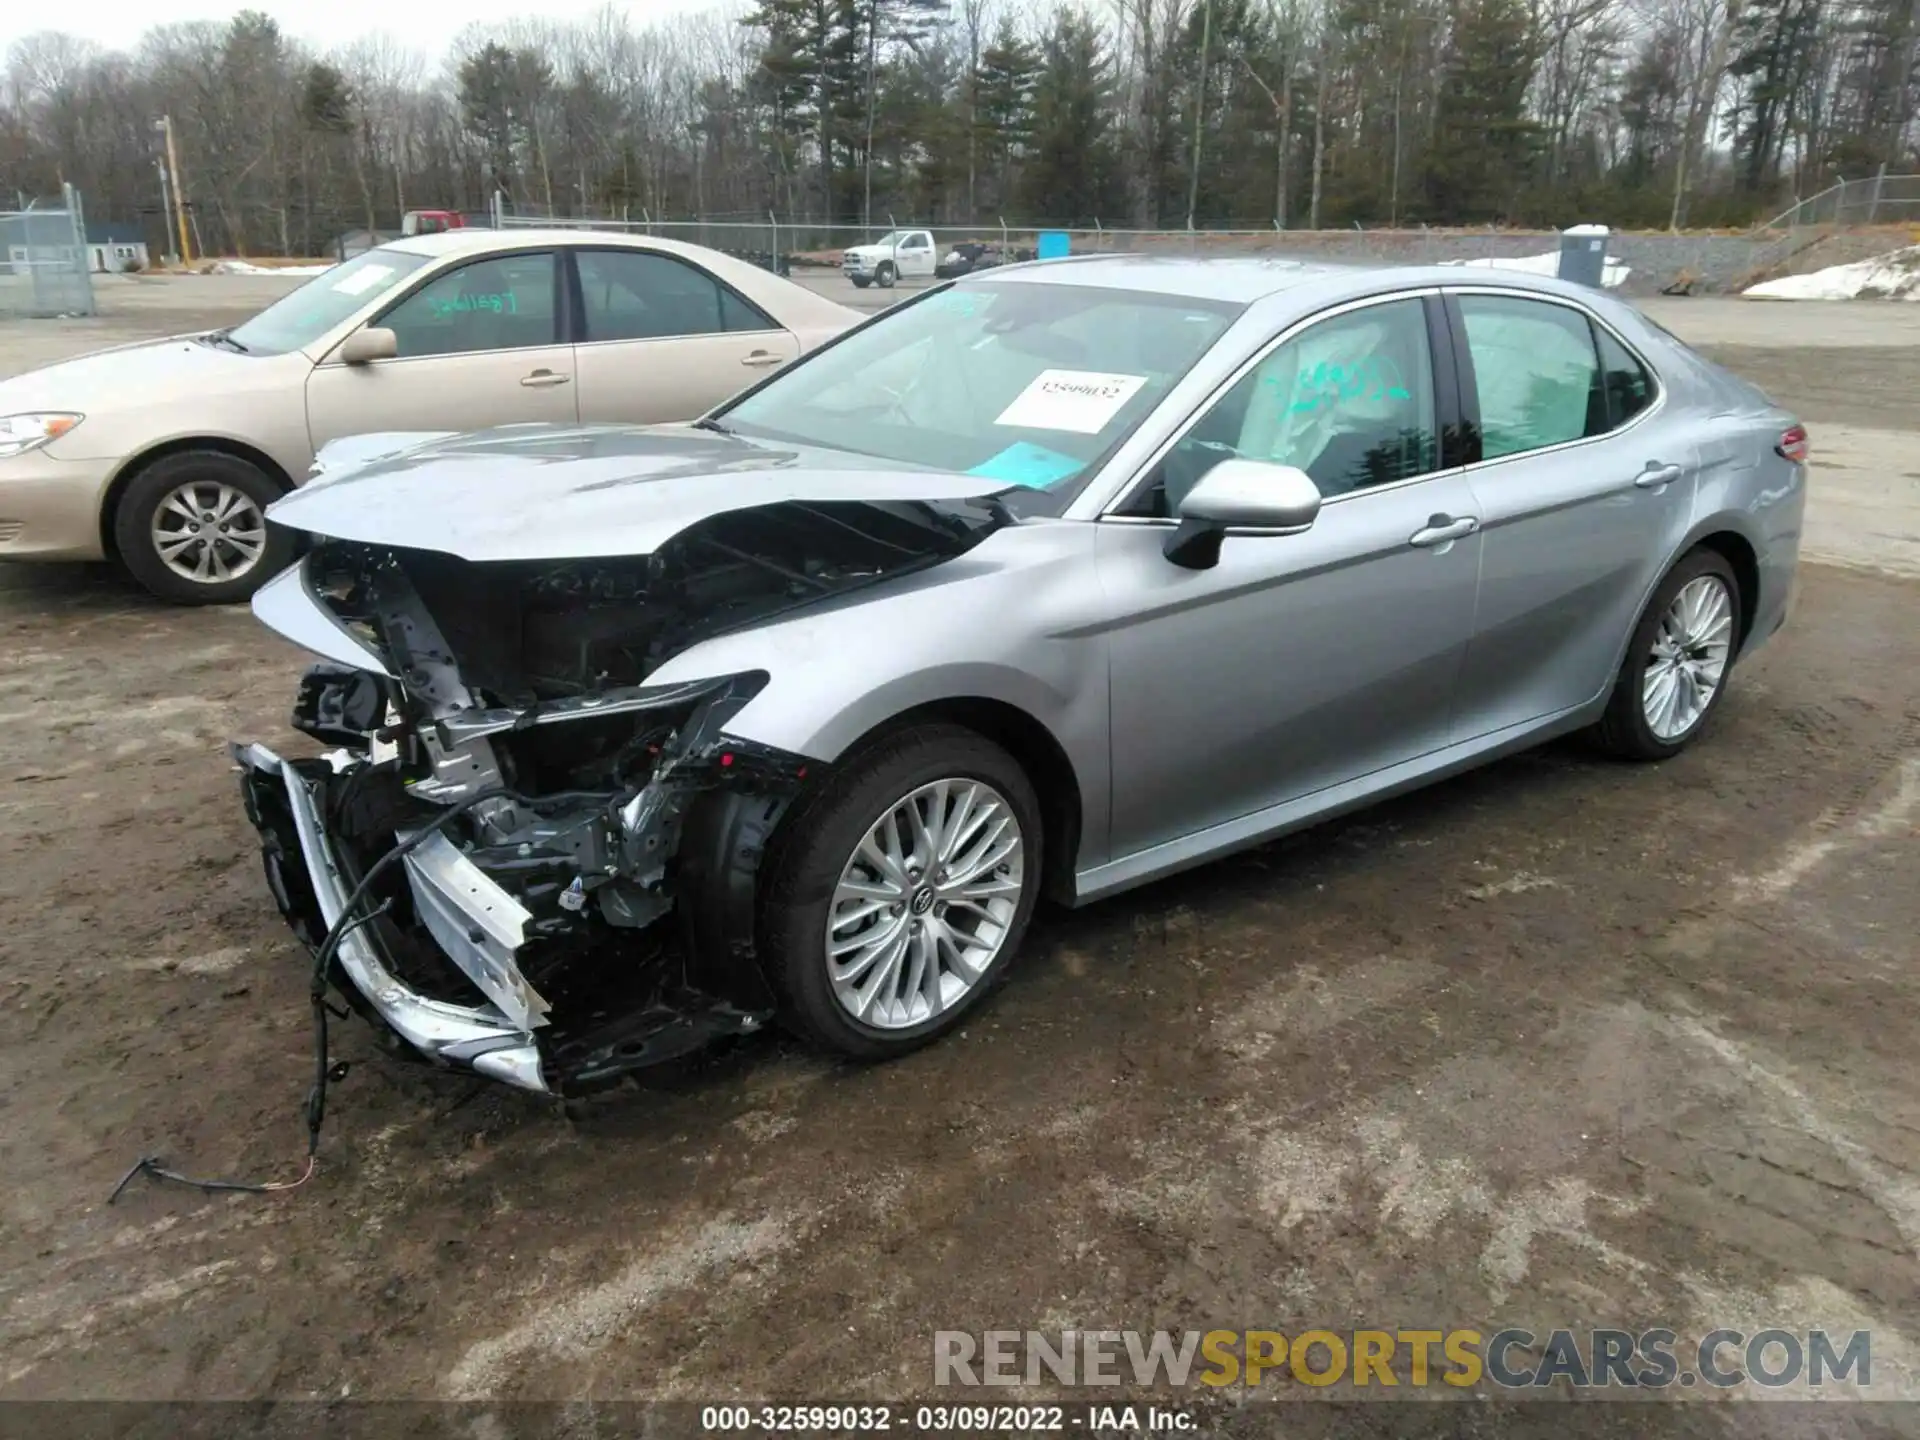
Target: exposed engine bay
527	935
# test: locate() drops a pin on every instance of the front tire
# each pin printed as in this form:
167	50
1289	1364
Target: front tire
191	527
1678	662
860	282
899	892
884	276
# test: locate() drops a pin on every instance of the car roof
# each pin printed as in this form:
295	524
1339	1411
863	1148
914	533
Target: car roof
475	238
1245	279
1240	278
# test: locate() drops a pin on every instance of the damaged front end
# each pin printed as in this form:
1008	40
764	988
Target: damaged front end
590	909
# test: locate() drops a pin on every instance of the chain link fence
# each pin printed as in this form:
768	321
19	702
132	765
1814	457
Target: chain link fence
43	260
1879	199
1689	262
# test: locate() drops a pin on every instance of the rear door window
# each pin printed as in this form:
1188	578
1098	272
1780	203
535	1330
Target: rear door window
1629	388
641	295
1536	372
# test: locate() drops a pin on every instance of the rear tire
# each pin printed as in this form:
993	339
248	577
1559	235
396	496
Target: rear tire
928	927
191	527
1678	662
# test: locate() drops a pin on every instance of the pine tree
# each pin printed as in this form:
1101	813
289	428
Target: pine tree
1003	110
1484	143
1070	172
812	66
1773	53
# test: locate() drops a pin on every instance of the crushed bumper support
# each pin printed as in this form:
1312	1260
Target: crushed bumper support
307	882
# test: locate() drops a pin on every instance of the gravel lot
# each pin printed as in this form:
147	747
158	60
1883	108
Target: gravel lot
1561	1043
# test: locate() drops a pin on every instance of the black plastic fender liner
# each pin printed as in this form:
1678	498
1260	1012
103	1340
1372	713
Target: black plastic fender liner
722	842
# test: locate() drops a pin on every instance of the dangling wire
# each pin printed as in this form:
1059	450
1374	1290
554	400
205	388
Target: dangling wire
325	1073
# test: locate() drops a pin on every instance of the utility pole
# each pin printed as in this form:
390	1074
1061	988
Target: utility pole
1199	108
179	204
166	205
873	26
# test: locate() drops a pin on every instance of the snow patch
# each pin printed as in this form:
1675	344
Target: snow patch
1613	273
241	267
1893	276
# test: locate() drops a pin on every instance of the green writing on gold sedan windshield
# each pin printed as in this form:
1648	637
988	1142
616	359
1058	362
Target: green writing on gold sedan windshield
505	302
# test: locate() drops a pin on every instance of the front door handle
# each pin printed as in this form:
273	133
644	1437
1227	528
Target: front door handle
760	359
1654	476
1441	529
543	379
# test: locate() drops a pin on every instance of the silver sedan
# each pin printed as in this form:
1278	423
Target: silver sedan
1050	582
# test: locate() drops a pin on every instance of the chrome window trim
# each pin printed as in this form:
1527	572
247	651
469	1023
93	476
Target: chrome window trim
449	355
677	339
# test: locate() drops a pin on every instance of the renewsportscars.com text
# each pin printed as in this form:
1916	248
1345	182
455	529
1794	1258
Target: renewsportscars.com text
1507	1359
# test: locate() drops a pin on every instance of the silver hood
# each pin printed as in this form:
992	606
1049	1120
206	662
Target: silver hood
576	493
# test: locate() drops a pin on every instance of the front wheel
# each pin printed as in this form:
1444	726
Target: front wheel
884	276
1677	663
860	282
192	528
899	893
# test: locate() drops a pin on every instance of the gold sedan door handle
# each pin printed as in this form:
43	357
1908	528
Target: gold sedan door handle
542	379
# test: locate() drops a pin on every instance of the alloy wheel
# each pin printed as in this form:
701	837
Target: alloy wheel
209	532
924	904
1689	657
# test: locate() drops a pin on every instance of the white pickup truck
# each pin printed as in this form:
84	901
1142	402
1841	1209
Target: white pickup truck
897	253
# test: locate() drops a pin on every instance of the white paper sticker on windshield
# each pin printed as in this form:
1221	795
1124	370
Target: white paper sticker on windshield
1078	401
362	281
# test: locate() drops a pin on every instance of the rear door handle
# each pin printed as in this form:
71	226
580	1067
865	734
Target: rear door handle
760	359
1443	528
542	379
1654	476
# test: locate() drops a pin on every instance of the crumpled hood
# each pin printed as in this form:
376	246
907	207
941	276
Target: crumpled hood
564	493
176	365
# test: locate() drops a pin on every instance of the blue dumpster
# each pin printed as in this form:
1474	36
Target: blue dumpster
1054	244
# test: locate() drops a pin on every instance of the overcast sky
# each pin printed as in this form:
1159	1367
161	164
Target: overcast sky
425	25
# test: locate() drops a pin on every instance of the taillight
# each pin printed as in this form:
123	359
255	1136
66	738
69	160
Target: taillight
1793	444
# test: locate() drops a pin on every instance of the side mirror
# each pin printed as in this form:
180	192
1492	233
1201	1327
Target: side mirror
1246	495
367	345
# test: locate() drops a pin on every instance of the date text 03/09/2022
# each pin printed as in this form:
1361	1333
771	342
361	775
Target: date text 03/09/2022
931	1419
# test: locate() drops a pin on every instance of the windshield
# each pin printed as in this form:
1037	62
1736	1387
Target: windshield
297	320
1032	384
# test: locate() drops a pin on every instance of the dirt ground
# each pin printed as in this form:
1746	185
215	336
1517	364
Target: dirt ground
1561	1043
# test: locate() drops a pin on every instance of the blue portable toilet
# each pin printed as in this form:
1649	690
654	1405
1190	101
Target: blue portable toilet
1054	244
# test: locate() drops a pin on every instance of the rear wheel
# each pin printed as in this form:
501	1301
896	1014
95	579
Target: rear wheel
1678	663
899	893
884	275
192	528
